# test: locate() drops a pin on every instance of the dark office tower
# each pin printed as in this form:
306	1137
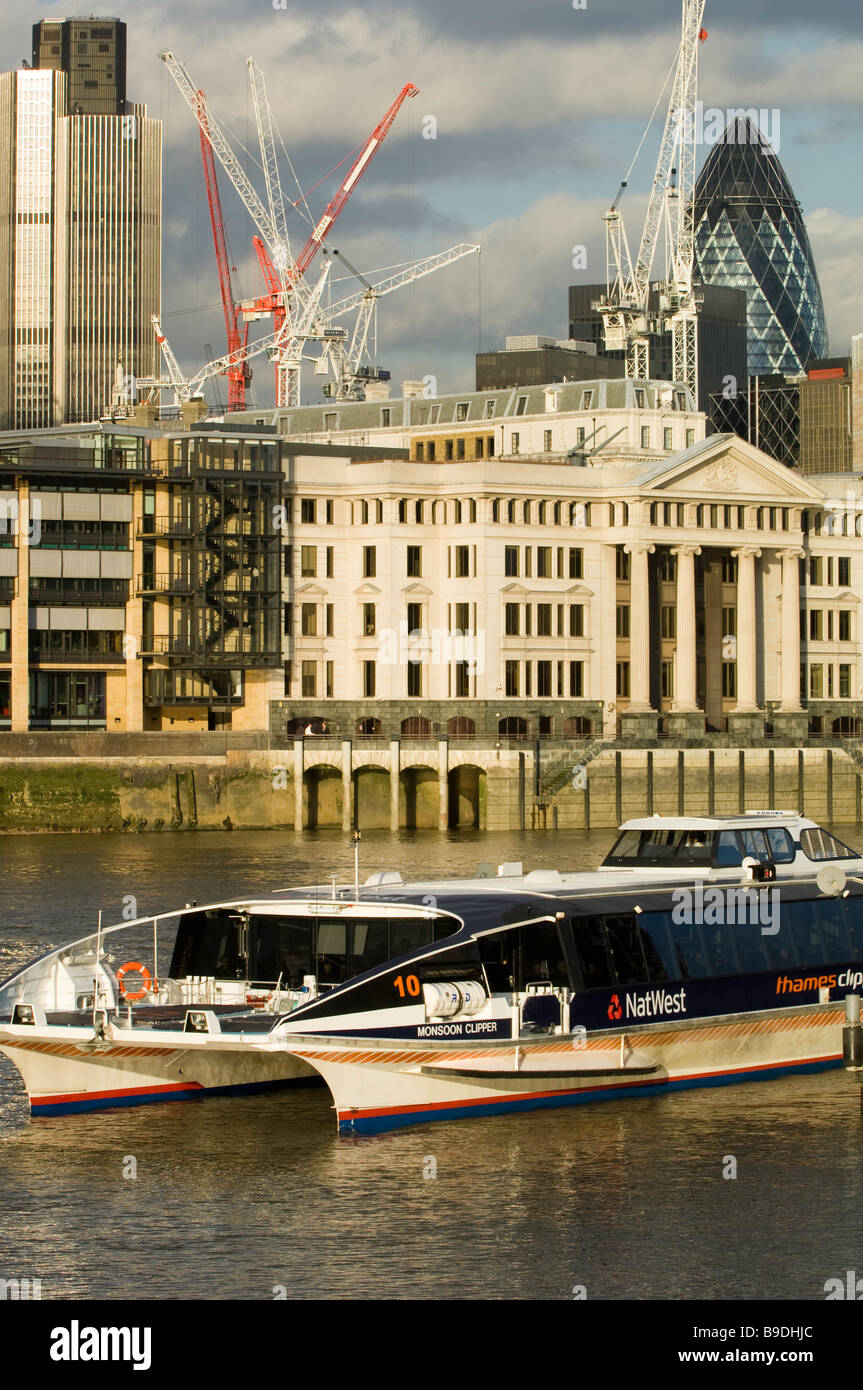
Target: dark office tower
750	235
92	53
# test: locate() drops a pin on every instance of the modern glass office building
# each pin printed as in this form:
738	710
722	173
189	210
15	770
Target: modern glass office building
750	235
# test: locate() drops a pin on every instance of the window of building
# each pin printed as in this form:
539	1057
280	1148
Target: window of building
543	678
543	562
489	410
511	678
645	436
309	620
729	680
543	620
403	510
844	625
546	441
309	680
816	681
729	568
816	625
528	620
418	513
512	623
541	513
415	680
576	679
623	680
729	622
844	682
288	620
515	442
639	399
576	620
843	563
521	405
690	438
430	451
462	680
586	400
448	451
622	561
478	447
461	410
414	617
462	561
623	620
369	620
369	674
576	563
667	680
330	560
510	561
666	438
370	562
414	561
668	621
528	562
308	561
288	560
462	617
386	416
330	620
816	569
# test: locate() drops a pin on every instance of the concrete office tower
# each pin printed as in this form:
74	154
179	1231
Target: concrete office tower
80	227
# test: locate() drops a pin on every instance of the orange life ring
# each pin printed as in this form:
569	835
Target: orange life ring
146	980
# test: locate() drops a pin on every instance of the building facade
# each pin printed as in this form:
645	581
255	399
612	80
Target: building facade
222	579
750	235
80	228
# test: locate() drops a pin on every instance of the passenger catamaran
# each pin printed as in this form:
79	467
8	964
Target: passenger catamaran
704	950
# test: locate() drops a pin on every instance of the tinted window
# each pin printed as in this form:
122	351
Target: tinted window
755	845
496	953
854	919
541	956
689	950
332	963
590	945
658	949
370	945
831	917
208	943
626	954
782	845
728	851
720	949
280	946
751	950
801	920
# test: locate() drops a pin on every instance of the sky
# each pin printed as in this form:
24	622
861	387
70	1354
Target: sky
537	108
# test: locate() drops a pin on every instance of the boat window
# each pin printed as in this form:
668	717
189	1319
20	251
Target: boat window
689	949
854	919
409	934
280	946
496	953
719	946
590	943
658	951
209	944
625	848
781	947
831	919
626	954
817	844
755	845
729	854
801	920
520	956
751	949
781	845
332	953
371	945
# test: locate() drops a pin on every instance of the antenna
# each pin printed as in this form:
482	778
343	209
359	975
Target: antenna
355	840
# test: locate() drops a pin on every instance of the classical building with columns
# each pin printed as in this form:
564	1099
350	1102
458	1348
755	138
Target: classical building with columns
220	578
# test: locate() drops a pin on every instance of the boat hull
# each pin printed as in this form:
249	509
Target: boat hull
65	1077
386	1084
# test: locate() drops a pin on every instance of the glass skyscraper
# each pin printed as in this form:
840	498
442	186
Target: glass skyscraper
750	235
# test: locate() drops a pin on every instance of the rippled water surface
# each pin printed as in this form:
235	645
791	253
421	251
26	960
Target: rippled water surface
234	1198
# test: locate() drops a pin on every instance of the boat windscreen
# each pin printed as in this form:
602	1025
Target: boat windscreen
661	848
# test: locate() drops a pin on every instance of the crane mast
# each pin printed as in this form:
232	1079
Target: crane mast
625	307
239	374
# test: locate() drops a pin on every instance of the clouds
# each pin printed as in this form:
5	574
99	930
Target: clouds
539	109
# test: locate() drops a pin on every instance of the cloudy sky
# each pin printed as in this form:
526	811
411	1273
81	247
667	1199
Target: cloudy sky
538	108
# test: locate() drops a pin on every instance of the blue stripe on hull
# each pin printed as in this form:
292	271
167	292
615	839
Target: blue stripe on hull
251	1088
380	1124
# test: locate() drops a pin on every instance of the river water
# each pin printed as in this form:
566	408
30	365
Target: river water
259	1198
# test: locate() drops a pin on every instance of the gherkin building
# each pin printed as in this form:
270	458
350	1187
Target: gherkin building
750	235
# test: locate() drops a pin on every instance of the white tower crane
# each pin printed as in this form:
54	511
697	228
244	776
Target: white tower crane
625	307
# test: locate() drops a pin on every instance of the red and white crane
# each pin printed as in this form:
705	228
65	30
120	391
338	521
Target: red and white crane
238	373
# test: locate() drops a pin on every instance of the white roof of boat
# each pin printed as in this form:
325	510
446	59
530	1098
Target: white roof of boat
744	820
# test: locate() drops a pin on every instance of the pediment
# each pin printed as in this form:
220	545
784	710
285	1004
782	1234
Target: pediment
368	591
422	589
310	591
731	471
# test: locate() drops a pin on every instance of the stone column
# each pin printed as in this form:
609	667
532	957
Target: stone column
684	689
394	783
747	700
298	784
443	784
790	631
347	786
639	628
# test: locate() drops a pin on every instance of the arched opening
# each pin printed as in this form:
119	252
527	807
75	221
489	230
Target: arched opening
418	798
371	798
460	727
577	727
512	727
416	727
322	796
466	787
368	728
848	726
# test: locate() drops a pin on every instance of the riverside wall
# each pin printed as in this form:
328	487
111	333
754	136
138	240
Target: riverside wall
92	783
